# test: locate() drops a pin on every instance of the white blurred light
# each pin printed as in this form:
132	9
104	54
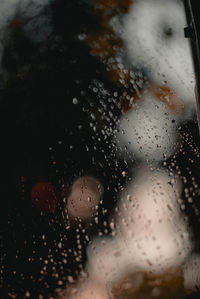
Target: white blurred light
151	224
90	289
149	130
84	197
106	260
153	32
151	235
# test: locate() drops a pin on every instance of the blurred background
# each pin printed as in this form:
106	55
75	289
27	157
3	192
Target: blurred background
99	151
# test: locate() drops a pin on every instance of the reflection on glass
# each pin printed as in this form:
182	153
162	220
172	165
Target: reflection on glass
100	151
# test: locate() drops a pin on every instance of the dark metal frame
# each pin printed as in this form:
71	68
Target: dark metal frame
192	8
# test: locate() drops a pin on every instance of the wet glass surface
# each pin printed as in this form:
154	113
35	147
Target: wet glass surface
99	151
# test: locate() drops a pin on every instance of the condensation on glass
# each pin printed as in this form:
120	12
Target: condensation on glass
100	149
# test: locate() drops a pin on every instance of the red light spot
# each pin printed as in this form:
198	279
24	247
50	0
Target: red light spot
45	196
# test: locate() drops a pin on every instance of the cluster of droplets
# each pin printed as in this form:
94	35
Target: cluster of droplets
144	238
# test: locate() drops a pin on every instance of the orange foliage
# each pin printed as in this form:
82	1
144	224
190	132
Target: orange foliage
122	5
168	97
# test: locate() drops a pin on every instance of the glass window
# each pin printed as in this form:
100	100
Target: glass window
100	150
